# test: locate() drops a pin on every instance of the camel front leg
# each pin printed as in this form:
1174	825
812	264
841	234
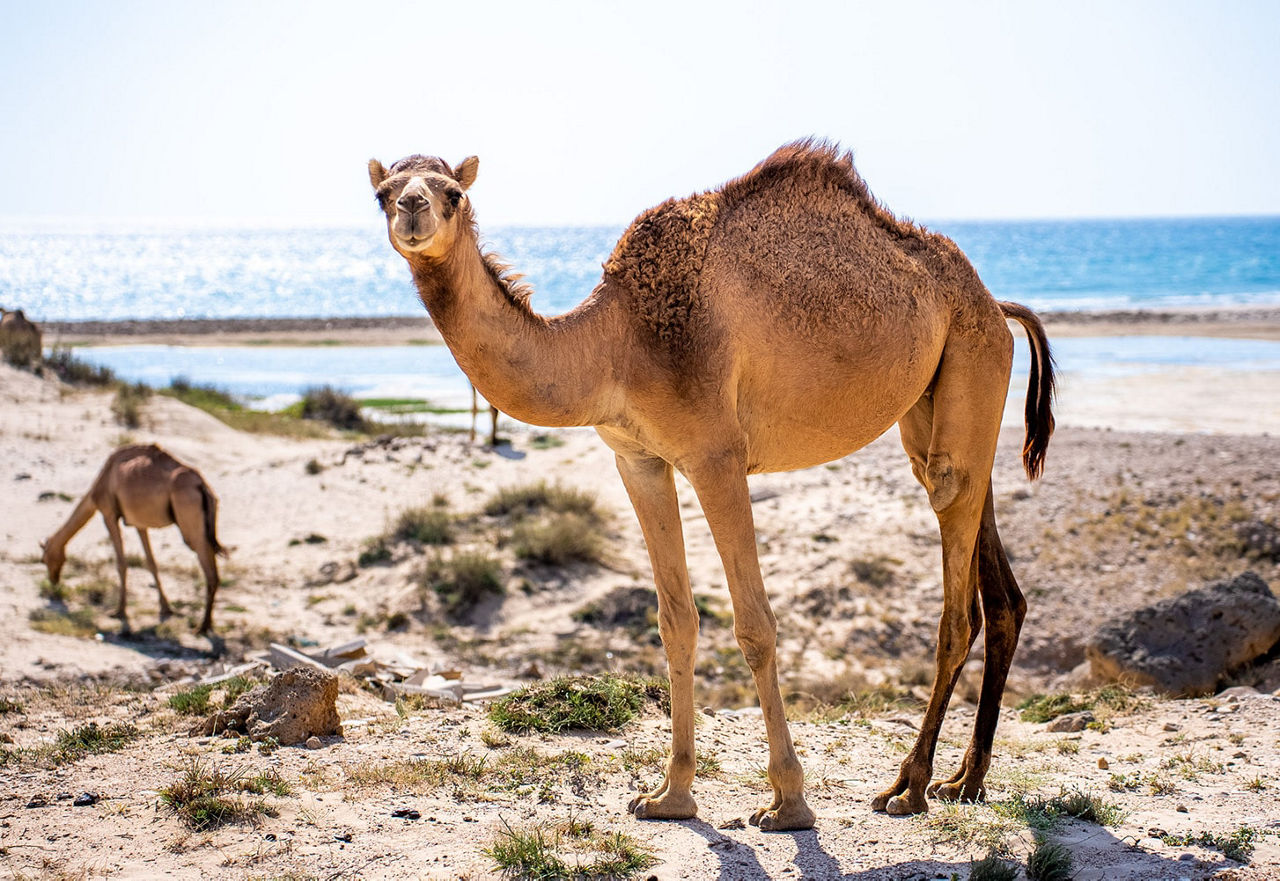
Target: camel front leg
721	484
117	542
651	486
165	610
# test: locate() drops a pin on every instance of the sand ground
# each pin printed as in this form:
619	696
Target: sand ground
1170	441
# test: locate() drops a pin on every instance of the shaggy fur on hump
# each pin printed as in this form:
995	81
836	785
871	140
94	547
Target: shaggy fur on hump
660	256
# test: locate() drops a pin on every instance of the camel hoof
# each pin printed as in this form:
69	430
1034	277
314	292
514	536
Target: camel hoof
664	807
904	805
880	801
790	816
944	790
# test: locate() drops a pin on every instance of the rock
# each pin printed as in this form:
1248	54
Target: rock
1069	722
1236	692
85	799
1103	764
1171	726
292	707
314	742
1185	645
406	813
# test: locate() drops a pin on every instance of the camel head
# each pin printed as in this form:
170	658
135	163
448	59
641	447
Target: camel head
425	202
53	559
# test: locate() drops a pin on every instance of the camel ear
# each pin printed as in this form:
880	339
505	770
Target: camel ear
377	174
466	171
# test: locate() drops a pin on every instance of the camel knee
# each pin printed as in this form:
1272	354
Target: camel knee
758	640
678	625
945	480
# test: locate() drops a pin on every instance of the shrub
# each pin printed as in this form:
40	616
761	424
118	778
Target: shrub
532	498
72	370
127	404
992	868
200	797
604	703
327	404
462	580
558	539
428	526
1049	862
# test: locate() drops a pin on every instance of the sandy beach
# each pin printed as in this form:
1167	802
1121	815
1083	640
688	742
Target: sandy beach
299	512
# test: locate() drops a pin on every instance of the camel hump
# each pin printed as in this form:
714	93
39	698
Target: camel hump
659	259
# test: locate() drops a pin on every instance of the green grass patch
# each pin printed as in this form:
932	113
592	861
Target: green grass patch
206	797
196	701
64	622
1237	845
9	705
604	703
74	744
565	850
225	408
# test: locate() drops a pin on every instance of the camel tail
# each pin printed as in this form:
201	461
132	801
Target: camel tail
210	520
1040	389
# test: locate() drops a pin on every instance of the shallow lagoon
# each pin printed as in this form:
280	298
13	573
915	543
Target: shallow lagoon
274	376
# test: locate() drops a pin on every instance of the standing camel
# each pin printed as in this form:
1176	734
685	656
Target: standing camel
778	322
149	489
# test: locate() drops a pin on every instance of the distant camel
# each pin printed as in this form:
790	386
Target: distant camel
149	489
778	322
493	420
19	339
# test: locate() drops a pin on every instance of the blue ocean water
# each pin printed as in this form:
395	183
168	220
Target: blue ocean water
59	274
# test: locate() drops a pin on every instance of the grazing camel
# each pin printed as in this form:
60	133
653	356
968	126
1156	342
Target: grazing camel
778	322
20	342
149	489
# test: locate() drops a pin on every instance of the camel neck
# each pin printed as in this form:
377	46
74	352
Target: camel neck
543	371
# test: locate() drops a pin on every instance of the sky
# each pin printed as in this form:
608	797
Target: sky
587	113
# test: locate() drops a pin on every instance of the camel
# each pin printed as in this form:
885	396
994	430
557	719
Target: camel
19	339
149	489
782	320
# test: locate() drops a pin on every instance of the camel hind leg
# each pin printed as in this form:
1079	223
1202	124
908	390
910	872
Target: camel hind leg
165	609
188	511
951	436
1003	610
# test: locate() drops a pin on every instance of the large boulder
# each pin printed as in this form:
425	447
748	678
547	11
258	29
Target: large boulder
293	706
1185	645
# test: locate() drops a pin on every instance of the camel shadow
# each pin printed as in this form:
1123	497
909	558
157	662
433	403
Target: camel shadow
505	449
155	643
1090	845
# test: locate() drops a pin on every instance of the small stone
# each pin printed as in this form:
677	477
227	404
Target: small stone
406	813
1103	763
314	742
85	799
708	711
1239	755
1187	857
1171	726
1182	809
1214	717
37	801
343	836
735	823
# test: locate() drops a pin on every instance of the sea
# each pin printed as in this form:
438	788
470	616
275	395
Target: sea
57	272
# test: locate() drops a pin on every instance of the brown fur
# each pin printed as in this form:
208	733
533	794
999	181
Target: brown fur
20	339
147	488
780	321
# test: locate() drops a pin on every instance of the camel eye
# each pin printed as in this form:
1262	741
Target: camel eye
454	196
